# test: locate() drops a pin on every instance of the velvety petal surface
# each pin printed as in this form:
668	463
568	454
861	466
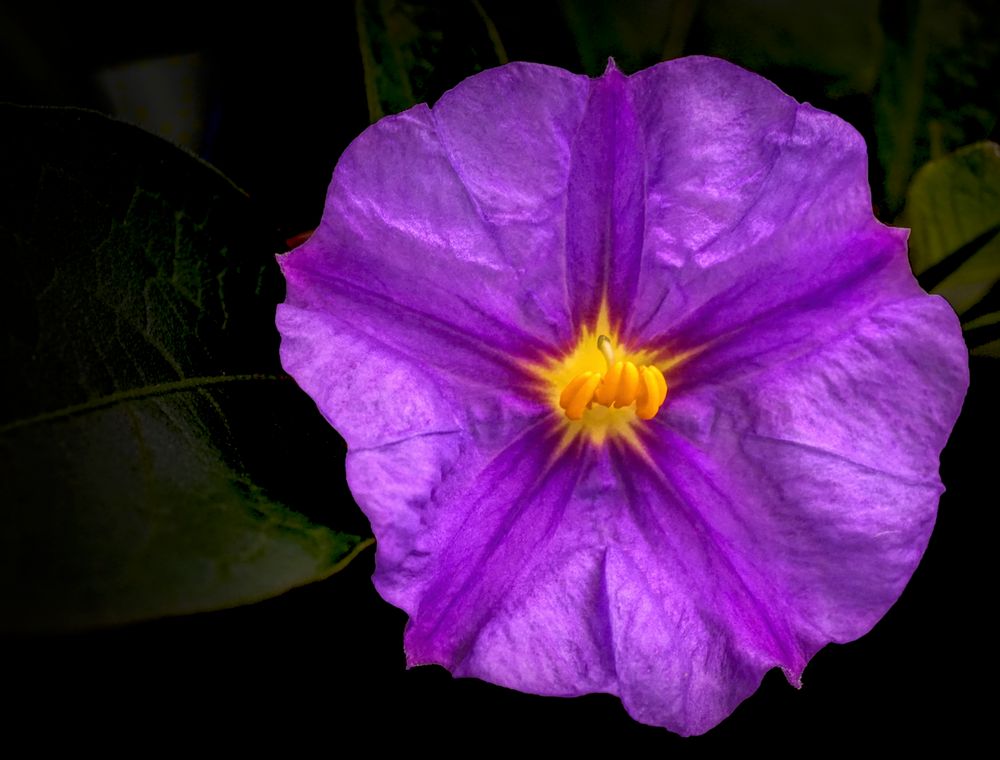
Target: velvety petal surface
761	523
601	578
824	468
455	213
788	487
407	424
757	213
429	278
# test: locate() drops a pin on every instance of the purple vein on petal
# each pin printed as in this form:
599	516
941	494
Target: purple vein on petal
458	339
826	309
518	500
605	204
769	631
927	482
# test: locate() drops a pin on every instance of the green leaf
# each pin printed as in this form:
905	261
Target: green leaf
408	47
141	385
953	207
987	320
634	33
930	97
983	334
840	42
991	349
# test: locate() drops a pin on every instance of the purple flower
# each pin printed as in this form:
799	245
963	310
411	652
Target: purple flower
669	551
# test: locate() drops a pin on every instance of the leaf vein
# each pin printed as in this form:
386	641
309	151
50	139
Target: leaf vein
136	394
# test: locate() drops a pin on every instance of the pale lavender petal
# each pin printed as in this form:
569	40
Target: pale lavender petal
453	215
509	133
592	572
824	468
555	167
769	519
695	623
517	500
408	419
754	203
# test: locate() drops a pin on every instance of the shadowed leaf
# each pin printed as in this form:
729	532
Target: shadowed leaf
953	207
636	33
142	388
931	97
839	43
406	45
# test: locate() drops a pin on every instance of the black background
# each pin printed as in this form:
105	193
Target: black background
322	666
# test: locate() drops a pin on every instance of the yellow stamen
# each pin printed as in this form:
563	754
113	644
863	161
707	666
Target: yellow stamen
628	386
646	404
582	395
609	388
570	390
622	385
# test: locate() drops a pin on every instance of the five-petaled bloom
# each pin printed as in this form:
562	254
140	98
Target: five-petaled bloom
638	395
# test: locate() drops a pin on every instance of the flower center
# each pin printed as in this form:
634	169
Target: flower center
600	389
623	384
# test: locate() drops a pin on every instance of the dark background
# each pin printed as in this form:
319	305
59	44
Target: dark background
276	96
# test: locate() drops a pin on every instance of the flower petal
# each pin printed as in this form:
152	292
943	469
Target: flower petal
752	202
588	573
407	423
555	168
454	214
824	468
789	484
510	512
604	203
765	520
515	591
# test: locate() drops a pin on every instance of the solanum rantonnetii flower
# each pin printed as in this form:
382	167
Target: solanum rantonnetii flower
764	484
